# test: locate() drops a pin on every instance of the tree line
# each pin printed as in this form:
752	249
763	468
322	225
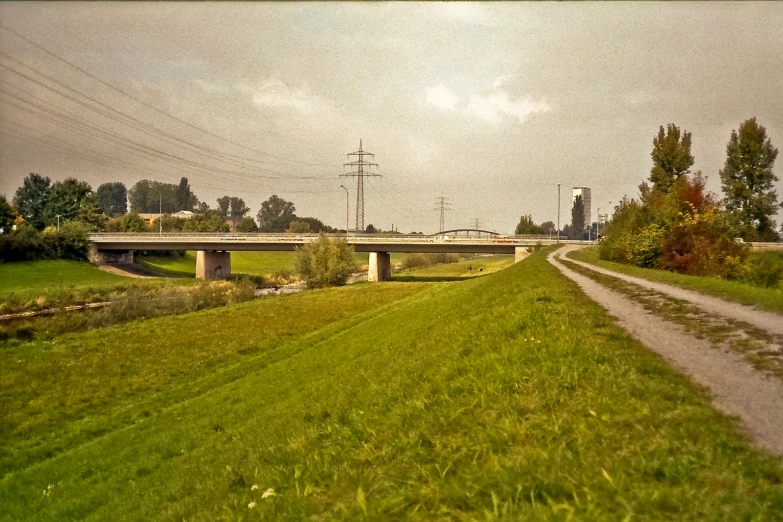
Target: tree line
676	224
48	219
747	181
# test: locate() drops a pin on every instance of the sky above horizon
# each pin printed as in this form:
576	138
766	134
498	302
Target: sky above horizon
489	104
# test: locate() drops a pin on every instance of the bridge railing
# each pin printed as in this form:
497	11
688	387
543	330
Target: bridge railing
271	237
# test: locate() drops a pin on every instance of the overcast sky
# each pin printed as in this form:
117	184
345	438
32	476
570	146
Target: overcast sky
489	104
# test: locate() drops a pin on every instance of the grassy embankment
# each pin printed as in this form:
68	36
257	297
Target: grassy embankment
250	263
482	265
38	284
767	298
506	396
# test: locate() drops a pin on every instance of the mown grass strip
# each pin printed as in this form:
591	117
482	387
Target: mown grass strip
507	396
61	393
766	298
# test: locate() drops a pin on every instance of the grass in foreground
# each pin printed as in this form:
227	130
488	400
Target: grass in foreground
38	284
509	396
767	298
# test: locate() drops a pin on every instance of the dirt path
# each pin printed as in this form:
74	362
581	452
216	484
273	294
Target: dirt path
131	270
737	388
768	321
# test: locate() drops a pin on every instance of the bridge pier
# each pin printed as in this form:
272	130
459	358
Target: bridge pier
520	253
109	257
380	267
211	264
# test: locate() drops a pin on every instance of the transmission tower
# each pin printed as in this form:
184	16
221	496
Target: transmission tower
360	174
442	203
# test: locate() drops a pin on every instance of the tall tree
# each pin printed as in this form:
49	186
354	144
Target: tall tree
152	196
223	206
747	181
186	200
671	157
238	209
92	215
548	227
527	226
65	198
578	216
113	198
7	214
30	199
275	214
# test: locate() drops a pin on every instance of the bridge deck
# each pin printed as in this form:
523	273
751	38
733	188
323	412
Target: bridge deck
289	242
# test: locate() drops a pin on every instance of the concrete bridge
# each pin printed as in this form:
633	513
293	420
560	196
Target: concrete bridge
213	258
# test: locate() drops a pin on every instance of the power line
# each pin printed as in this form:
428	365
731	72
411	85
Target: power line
443	203
141	126
117	89
360	174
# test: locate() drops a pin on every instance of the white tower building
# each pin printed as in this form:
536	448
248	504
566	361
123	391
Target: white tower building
586	197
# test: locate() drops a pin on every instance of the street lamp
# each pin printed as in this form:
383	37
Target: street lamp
558	212
347	203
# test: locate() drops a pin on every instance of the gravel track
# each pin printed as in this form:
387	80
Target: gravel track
737	387
767	321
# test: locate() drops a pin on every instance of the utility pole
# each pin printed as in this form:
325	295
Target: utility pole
443	202
347	207
160	209
558	212
360	174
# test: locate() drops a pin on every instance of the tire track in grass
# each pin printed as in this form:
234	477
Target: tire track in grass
736	386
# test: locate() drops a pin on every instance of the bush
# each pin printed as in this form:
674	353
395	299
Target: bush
28	244
325	262
682	230
247	224
416	261
127	223
765	270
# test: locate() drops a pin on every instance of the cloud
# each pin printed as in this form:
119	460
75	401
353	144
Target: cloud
497	103
441	97
273	92
470	12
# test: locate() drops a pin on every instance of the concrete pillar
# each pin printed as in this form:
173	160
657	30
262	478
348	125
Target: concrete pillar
520	253
380	266
109	257
213	265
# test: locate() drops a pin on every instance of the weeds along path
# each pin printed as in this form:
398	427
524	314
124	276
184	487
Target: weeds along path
736	386
768	321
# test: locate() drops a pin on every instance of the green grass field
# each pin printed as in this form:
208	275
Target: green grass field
507	396
482	265
768	298
250	263
38	284
30	279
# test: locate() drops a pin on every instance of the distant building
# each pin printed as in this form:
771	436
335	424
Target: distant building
588	200
182	214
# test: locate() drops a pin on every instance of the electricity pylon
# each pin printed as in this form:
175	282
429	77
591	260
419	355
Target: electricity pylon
360	174
443	202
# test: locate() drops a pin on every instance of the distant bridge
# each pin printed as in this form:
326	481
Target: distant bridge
213	259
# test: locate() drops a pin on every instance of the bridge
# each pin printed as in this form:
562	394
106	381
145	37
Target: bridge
213	251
